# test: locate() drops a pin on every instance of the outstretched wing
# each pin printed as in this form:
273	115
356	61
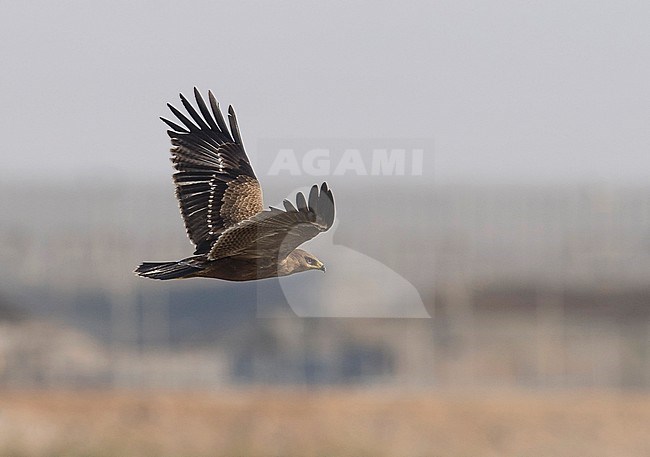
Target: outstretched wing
216	187
274	233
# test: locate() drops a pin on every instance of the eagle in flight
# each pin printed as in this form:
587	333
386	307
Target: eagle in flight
221	203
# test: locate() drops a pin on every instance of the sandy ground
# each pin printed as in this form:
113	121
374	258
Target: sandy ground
286	422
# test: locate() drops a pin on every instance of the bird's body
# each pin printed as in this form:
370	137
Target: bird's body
221	203
229	268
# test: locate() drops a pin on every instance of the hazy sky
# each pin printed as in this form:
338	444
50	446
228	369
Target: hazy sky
512	90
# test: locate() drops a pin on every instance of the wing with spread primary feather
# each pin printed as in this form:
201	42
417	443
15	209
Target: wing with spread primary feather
215	184
274	233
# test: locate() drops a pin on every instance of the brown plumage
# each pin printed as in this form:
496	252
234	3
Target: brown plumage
220	200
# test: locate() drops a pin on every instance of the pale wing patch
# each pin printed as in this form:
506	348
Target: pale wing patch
241	200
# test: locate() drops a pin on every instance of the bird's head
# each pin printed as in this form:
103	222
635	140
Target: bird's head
302	261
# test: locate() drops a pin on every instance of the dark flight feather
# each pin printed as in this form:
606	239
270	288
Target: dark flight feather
218	115
173	126
234	127
289	206
204	110
301	202
193	114
181	117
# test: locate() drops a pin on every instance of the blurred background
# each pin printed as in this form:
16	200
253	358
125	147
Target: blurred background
526	237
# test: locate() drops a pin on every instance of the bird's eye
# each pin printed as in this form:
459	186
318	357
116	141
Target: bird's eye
310	261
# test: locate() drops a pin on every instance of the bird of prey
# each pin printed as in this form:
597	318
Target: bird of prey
221	203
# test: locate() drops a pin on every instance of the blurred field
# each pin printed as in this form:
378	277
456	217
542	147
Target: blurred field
286	422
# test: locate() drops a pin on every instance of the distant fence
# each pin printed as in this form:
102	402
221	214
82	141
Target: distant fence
542	288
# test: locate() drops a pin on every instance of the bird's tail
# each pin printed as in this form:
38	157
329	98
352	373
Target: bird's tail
186	268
